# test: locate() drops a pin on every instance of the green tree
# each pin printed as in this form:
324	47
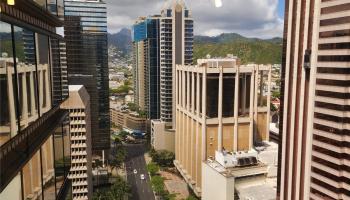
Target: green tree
191	197
163	158
152	168
158	185
119	189
123	134
119	158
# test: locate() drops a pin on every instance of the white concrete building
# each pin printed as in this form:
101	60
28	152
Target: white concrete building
80	173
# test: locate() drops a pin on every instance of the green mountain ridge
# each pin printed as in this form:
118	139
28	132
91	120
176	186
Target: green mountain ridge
249	50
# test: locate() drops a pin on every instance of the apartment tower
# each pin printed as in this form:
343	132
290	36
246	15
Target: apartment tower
314	146
78	105
34	135
222	112
86	44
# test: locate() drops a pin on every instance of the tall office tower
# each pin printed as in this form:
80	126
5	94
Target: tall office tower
222	111
146	65
315	127
86	44
34	140
80	173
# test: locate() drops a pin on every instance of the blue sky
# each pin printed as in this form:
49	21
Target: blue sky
281	8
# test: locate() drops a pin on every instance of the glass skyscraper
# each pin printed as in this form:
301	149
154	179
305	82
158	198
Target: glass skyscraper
34	136
147	68
86	40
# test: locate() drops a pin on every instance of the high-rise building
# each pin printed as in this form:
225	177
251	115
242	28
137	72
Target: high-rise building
86	44
222	112
314	143
176	48
34	138
80	173
147	65
161	42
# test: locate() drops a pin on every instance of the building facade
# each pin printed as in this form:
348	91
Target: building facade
34	135
222	113
314	128
129	120
86	44
146	65
78	105
161	42
176	48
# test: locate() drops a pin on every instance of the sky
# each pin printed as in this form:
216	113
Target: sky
250	18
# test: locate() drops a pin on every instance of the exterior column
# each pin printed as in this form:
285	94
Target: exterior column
197	127
256	71
25	101
244	93
48	87
187	90
251	110
235	136
32	93
40	73
192	92
204	114
220	110
11	99
268	104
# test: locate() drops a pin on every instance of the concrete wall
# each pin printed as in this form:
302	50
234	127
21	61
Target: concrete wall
162	138
216	186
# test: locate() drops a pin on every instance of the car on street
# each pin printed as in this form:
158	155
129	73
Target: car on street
142	176
135	171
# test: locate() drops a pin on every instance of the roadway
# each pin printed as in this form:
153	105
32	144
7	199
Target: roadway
140	189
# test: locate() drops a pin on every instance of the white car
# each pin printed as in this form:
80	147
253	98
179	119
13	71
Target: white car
135	171
142	176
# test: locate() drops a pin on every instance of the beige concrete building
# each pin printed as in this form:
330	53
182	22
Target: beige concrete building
222	111
315	125
80	173
129	120
162	138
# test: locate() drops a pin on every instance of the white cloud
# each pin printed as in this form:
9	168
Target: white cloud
254	18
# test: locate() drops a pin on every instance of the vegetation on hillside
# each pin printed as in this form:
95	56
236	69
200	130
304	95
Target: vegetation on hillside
249	50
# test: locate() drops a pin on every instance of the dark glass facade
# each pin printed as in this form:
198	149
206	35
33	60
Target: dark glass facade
148	32
86	45
33	132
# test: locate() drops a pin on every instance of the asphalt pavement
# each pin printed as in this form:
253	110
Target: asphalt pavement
140	189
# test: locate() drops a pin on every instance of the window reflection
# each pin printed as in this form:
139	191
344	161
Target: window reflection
32	178
26	70
43	72
59	158
8	118
47	164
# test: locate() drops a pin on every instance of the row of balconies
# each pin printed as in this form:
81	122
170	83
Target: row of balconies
77	138
79	183
78	168
78	153
83	160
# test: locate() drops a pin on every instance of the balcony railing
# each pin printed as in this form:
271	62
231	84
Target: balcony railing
15	153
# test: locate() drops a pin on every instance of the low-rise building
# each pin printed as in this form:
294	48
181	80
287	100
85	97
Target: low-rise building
127	119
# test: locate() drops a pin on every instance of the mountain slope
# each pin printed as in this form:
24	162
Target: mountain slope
121	40
249	50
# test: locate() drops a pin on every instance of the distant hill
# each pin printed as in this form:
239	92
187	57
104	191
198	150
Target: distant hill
121	40
249	50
